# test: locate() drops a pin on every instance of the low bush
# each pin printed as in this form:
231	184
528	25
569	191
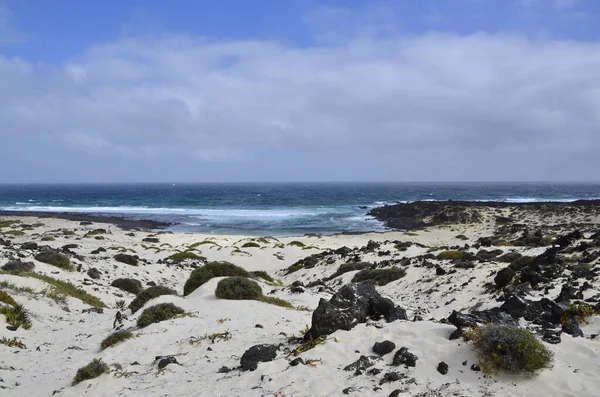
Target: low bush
116	338
378	276
18	266
262	274
66	288
251	244
238	288
577	312
241	288
297	243
93	370
55	259
451	255
148	294
48	238
14	342
462	237
514	350
350	267
180	256
158	313
128	284
212	269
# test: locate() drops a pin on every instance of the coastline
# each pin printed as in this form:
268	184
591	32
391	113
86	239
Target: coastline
65	335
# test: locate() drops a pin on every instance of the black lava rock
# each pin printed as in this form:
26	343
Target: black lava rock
94	273
296	361
475	367
360	365
351	305
552	336
383	348
256	354
442	368
403	356
461	320
504	277
572	329
166	361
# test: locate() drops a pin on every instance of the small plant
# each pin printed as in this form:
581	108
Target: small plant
402	246
6	298
115	338
212	269
9	223
577	312
222	320
379	276
297	243
180	256
93	370
310	344
120	304
55	259
303	308
241	288
262	274
273	300
251	244
148	294
158	313
462	237
48	238
451	255
14	342
511	349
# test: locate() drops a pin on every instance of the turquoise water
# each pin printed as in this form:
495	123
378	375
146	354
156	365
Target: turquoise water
269	209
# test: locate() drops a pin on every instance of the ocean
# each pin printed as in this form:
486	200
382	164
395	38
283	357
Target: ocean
276	209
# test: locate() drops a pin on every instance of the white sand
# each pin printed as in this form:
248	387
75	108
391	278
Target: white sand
60	341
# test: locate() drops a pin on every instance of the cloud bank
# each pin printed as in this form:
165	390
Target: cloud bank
433	106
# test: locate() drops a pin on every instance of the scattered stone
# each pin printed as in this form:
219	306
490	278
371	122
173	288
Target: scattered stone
440	271
223	370
383	348
258	353
552	336
151	240
360	365
97	310
94	273
475	367
504	277
393	376
395	393
166	361
30	245
460	320
349	390
572	329
127	259
296	361
403	356
458	333
442	368
258	326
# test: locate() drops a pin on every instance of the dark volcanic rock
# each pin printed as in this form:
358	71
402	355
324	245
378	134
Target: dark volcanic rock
383	348
128	284
552	336
18	266
360	365
403	356
461	320
256	354
94	273
127	259
30	245
166	361
572	329
151	240
504	277
351	305
442	368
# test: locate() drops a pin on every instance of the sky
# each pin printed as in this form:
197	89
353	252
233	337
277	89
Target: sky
299	90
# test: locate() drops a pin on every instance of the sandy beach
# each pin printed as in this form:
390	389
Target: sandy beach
65	334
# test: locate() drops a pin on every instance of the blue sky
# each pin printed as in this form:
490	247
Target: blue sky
299	90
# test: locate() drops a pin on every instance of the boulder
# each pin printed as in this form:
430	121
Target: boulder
442	368
94	273
127	259
403	356
18	266
258	353
504	277
351	305
383	348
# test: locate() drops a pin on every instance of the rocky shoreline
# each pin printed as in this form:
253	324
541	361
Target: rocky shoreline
421	214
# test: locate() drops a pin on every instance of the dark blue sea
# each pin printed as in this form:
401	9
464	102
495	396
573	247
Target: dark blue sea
269	209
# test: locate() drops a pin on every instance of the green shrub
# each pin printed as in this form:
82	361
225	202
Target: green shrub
6	298
66	288
402	246
13	233
378	276
251	244
48	238
148	294
9	223
180	256
241	288
93	370
238	288
158	313
350	267
262	274
15	313
462	237
297	244
14	342
115	338
55	259
212	269
451	255
514	350
504	243
577	312
128	284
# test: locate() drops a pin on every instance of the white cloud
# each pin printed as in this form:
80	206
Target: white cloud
440	98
